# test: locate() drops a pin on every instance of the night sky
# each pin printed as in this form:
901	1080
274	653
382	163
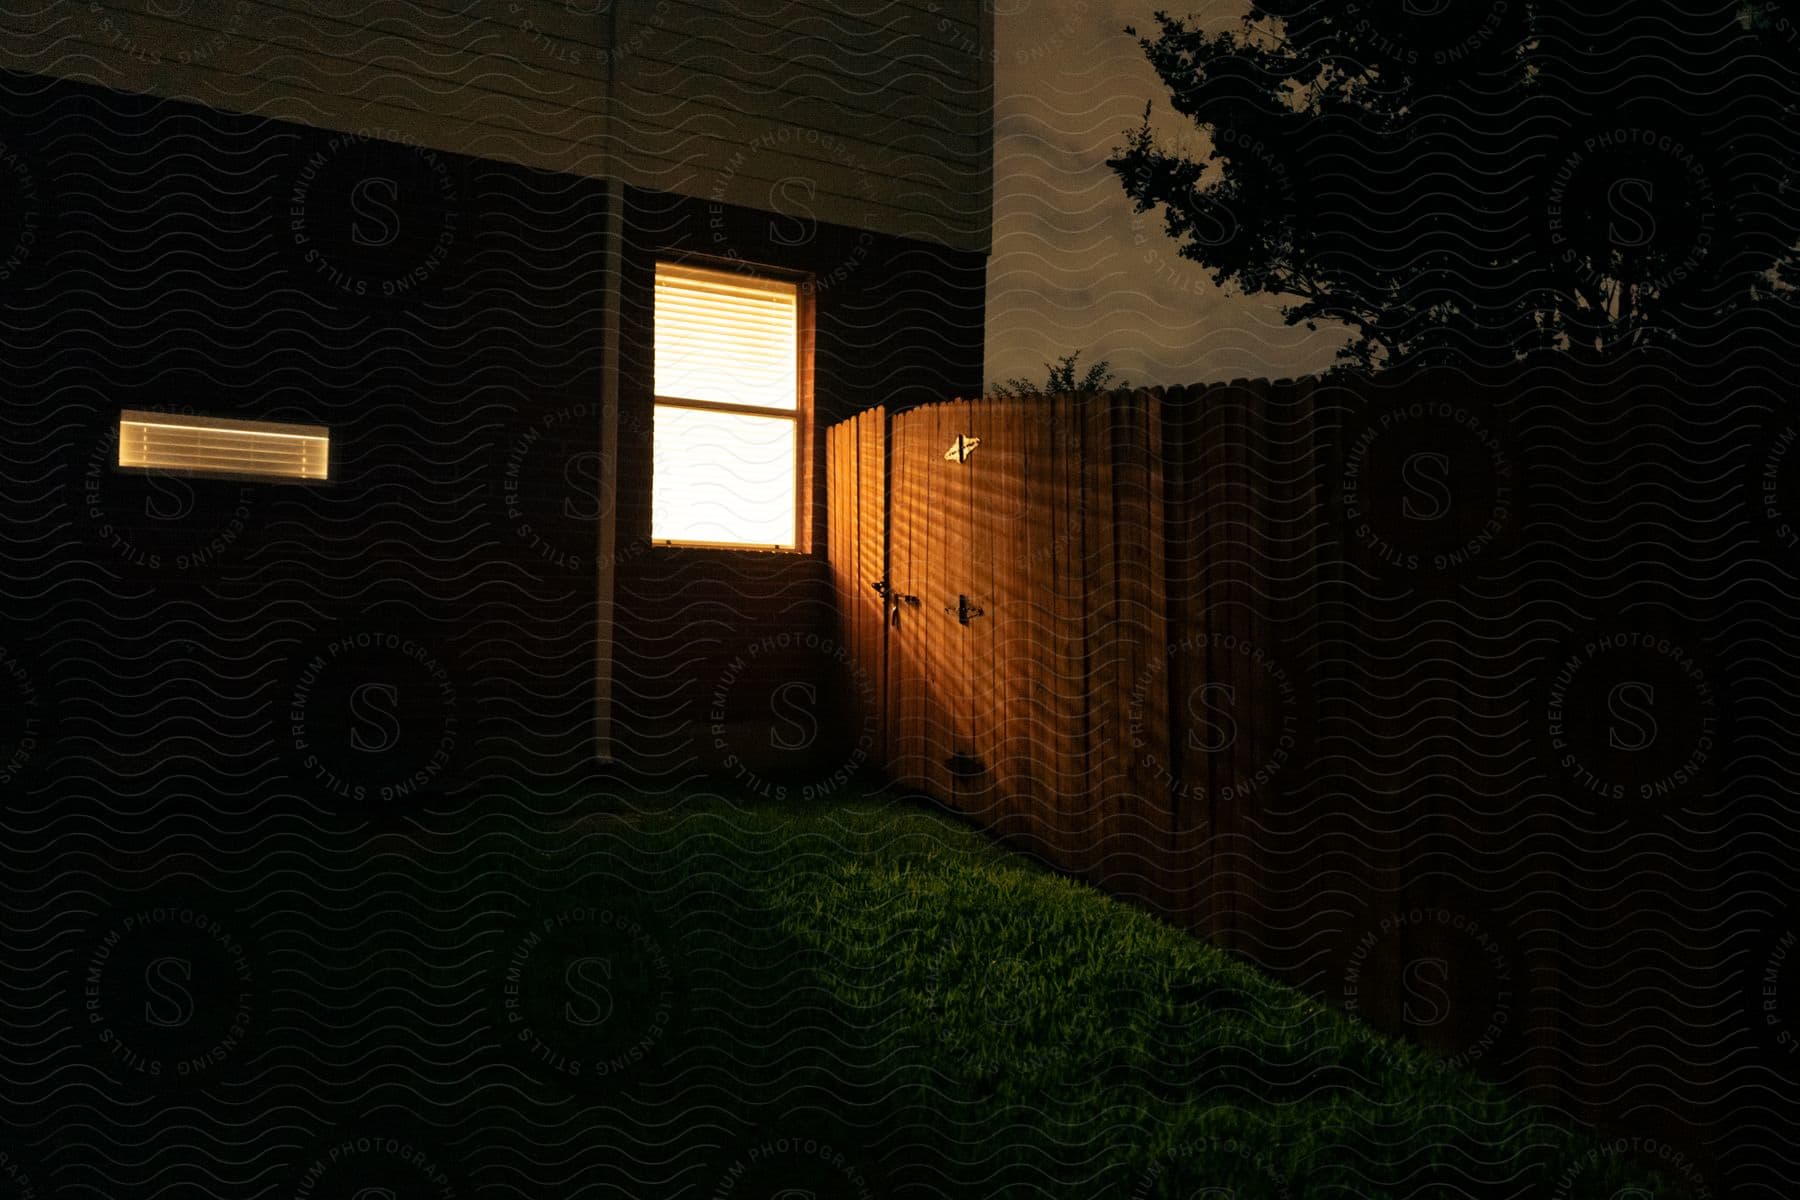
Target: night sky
1073	267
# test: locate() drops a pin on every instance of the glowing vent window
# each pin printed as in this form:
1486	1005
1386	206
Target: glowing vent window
219	445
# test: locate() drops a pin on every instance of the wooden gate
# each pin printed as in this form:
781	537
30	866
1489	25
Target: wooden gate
941	635
1024	607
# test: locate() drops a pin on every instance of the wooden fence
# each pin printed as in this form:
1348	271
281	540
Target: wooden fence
1402	688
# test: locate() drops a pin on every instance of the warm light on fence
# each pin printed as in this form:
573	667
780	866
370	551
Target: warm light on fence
219	445
725	465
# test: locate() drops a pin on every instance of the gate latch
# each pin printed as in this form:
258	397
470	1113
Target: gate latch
892	599
965	612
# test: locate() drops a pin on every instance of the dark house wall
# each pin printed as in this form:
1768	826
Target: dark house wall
389	633
426	618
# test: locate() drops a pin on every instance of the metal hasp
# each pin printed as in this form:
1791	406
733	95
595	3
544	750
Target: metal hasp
965	612
893	599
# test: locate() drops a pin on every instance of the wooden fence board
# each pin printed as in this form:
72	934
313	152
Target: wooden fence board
1142	633
992	496
940	522
1208	621
1075	848
842	509
905	650
914	625
1271	683
981	480
1295	532
1096	623
846	527
1192	834
1035	731
962	567
840	533
872	525
1148	735
871	559
1223	700
1026	592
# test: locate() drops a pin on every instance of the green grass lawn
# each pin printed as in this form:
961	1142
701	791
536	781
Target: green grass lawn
895	1006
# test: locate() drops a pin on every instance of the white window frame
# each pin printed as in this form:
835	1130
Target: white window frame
792	415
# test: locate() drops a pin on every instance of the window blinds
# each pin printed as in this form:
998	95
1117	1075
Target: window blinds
727	339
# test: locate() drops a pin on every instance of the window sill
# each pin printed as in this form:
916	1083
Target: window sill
731	547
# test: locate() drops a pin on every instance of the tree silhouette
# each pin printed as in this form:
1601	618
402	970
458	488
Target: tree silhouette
1060	381
1471	180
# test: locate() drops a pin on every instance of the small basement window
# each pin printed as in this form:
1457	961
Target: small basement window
220	445
727	423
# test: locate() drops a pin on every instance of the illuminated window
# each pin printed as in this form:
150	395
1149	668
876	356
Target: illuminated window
218	445
727	422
